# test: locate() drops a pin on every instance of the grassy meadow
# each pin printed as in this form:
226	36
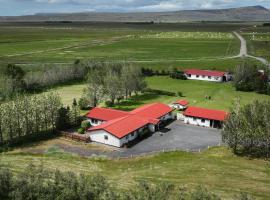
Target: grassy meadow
258	40
160	47
222	94
217	169
47	44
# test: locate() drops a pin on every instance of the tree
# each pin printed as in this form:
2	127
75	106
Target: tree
15	75
5	183
247	129
94	92
251	78
112	83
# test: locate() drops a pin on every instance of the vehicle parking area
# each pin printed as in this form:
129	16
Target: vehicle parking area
176	136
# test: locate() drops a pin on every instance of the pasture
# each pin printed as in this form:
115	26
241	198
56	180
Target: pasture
222	94
58	44
217	169
258	39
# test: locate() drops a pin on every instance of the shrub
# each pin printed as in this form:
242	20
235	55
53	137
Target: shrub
180	94
85	125
81	131
84	104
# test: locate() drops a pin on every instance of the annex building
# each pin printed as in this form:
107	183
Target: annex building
205	117
117	128
207	75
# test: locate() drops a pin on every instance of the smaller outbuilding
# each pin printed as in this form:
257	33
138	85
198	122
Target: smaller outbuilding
180	104
205	117
207	75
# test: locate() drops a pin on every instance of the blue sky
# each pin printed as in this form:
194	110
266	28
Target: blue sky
25	7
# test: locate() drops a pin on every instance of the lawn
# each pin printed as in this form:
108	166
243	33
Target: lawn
217	169
222	94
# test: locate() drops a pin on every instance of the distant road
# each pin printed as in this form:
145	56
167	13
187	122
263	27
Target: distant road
244	52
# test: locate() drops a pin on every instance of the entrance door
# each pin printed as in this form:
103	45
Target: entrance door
211	123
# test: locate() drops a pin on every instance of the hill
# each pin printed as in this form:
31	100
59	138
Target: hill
252	13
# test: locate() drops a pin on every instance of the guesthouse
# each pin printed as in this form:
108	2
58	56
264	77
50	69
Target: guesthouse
117	128
205	117
207	75
180	104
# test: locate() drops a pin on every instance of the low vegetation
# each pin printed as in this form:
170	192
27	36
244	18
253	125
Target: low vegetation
252	78
247	129
39	183
217	169
111	82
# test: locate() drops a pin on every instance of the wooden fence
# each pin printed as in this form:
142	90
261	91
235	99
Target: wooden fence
74	136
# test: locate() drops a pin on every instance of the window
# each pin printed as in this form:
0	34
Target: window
127	136
203	76
106	137
209	77
189	75
194	119
202	120
132	134
197	76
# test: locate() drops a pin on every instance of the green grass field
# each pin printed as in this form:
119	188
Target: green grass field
65	44
258	41
216	169
223	94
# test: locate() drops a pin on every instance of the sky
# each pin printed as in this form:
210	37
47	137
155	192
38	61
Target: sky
28	7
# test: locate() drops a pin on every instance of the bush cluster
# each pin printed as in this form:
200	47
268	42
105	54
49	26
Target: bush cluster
38	183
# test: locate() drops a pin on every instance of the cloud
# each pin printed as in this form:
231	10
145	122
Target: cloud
33	6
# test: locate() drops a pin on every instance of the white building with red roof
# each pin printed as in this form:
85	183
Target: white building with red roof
205	117
207	75
117	128
180	104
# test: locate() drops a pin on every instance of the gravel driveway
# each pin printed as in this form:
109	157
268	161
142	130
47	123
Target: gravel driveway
177	136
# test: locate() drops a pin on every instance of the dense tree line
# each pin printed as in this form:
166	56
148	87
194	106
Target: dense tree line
247	129
38	183
251	78
111	82
15	80
28	115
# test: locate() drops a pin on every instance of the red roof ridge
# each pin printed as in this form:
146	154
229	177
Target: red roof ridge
205	72
206	113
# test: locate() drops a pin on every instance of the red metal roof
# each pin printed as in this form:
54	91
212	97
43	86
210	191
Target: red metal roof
218	115
154	110
204	72
182	102
106	114
123	126
128	122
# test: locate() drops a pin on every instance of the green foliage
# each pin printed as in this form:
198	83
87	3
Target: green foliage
81	131
85	125
248	78
5	183
247	129
28	115
63	119
38	183
111	81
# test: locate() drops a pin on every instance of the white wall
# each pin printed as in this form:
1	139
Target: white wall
167	116
178	106
206	78
93	123
99	136
197	121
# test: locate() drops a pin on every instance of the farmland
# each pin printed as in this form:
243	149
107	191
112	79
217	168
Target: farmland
258	41
159	47
65	44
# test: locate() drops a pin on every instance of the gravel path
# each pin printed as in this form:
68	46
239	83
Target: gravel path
244	52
